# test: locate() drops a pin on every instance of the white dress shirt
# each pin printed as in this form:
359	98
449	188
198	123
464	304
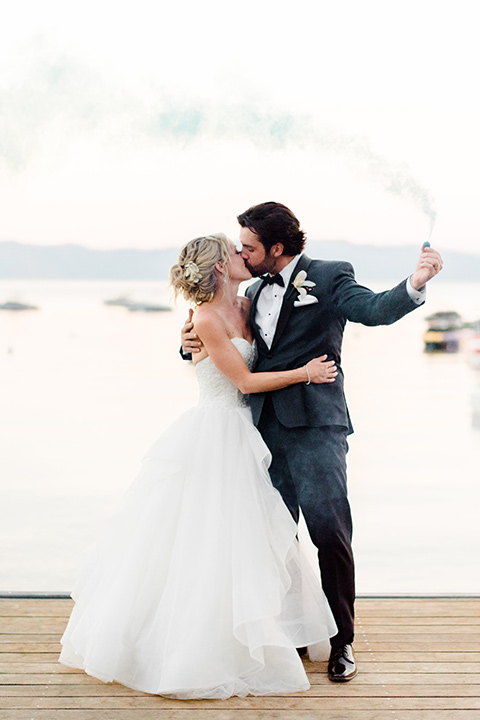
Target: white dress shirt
270	302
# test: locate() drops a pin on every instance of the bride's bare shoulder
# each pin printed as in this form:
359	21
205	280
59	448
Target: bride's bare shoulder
205	316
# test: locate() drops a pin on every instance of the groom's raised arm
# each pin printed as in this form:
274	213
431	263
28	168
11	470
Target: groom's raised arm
359	304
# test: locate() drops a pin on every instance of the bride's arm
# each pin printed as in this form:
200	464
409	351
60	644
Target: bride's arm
228	360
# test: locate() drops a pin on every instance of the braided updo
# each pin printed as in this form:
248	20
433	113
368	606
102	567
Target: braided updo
194	274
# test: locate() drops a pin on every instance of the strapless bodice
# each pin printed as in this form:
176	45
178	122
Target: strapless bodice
215	388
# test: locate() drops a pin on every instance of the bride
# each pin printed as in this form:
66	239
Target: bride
197	587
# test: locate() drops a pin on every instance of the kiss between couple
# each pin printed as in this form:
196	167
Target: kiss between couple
198	588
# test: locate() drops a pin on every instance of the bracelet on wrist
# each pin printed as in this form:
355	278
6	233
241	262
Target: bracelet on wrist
308	376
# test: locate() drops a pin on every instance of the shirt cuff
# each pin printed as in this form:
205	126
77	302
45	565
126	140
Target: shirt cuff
184	355
418	296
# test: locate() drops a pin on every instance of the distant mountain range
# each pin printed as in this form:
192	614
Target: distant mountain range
75	262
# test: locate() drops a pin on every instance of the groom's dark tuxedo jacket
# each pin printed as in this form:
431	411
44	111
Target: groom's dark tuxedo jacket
310	330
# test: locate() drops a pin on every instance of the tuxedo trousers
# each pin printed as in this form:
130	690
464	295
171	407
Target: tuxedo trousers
309	470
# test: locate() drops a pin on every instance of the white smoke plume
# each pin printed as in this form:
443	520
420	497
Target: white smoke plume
51	98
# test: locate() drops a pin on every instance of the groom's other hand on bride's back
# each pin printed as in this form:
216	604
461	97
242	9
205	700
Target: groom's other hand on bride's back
429	264
190	342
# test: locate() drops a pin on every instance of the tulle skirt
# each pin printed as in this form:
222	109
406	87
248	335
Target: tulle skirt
197	587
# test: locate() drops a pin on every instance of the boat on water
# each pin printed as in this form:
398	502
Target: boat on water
132	306
122	301
17	306
147	307
443	333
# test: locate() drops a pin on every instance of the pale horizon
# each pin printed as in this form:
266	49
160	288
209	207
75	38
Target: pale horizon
475	252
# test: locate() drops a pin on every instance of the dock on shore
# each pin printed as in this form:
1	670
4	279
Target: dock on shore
418	658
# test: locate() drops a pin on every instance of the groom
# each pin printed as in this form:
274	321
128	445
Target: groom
299	310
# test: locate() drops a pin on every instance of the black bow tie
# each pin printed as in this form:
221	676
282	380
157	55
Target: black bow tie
273	279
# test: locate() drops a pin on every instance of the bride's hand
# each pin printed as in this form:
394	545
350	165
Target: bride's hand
190	342
321	370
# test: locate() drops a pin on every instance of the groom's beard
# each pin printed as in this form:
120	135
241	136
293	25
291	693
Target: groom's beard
260	269
255	273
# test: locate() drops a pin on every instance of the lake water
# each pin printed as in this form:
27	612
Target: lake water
86	388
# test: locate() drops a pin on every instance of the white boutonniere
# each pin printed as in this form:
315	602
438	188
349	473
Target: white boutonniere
302	285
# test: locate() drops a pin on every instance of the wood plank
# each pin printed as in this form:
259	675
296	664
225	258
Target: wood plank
426	614
272	703
413	667
469	642
29	637
31	646
35	608
406	629
380	656
51	643
232	714
458	638
364	607
73	678
27	625
456	616
36	668
417	642
28	657
94	690
454	635
50	678
427	609
367	656
54	667
325	690
467	649
426	621
387	603
383	656
433	609
372	678
329	689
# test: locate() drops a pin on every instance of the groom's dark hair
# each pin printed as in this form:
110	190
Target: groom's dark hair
274	223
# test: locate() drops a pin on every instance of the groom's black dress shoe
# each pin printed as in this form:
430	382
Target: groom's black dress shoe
341	666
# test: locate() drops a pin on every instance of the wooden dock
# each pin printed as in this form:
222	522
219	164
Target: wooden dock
419	659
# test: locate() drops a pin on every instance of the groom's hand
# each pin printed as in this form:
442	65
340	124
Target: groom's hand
429	264
190	342
321	370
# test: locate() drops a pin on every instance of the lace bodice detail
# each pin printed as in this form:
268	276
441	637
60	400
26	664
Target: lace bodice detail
215	388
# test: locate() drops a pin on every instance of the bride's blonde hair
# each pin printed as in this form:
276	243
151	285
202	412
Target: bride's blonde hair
194	274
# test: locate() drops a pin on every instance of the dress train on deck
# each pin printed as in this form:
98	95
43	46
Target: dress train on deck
197	587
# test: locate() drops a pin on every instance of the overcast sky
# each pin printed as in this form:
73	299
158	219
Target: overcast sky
143	124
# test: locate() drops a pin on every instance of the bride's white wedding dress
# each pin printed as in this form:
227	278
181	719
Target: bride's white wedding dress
197	588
